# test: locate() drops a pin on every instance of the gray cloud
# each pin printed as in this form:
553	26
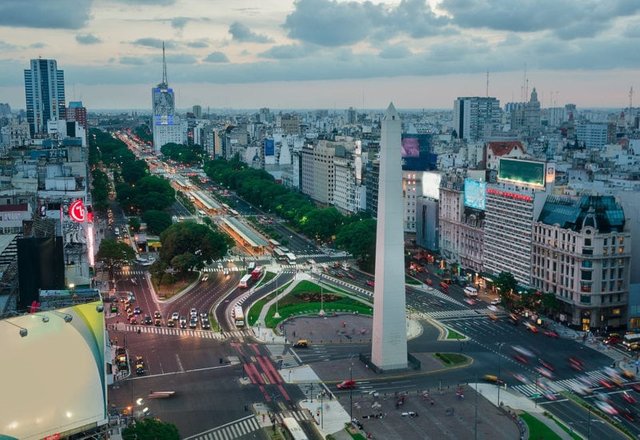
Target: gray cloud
395	52
216	57
37	45
87	39
61	14
7	46
287	52
155	43
147	2
332	23
567	18
198	44
241	32
133	61
180	22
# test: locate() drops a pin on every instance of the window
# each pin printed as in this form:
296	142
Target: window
585	299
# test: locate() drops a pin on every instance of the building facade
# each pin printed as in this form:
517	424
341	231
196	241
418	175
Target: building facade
44	92
582	253
476	118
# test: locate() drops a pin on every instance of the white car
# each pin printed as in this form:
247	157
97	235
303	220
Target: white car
193	313
175	316
495	302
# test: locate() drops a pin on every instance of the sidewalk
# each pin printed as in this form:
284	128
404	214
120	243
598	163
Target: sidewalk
516	402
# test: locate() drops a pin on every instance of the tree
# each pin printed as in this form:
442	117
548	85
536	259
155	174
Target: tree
322	224
112	252
153	192
134	224
507	285
359	239
157	221
151	429
202	242
182	153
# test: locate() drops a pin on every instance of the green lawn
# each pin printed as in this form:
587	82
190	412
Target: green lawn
452	334
265	279
537	429
305	299
451	359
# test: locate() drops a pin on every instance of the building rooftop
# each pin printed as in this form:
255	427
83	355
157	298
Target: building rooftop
600	212
501	148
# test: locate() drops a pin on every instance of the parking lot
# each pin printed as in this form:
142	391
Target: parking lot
446	414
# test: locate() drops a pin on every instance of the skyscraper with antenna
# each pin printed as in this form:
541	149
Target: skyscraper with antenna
166	124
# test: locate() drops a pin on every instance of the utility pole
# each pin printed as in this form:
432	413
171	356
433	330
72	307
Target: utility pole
498	379
475	421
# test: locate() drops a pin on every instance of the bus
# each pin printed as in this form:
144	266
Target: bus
257	273
245	281
631	341
291	258
238	316
279	254
294	430
274	243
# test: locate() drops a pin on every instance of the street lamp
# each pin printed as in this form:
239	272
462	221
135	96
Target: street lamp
321	313
277	315
351	392
498	380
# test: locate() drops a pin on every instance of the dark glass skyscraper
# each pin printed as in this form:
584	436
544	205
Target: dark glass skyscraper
44	92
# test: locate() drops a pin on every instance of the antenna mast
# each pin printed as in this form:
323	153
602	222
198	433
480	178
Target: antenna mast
487	91
164	66
630	99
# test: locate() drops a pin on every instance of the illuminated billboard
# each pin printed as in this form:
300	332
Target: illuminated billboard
410	147
524	172
53	375
475	194
269	147
431	184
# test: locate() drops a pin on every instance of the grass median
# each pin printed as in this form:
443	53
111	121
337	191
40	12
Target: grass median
451	359
308	298
537	429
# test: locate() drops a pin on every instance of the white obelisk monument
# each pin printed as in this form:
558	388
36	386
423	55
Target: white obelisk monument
389	338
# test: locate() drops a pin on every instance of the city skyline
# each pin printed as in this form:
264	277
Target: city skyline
324	53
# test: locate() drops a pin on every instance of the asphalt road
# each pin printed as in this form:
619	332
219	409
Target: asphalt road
582	420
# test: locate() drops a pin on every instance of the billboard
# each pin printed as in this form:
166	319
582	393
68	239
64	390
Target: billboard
410	147
526	172
431	184
475	194
269	147
53	382
40	266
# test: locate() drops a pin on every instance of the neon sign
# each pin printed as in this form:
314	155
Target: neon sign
510	195
77	211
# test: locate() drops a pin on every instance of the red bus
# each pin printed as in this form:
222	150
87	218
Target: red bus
257	273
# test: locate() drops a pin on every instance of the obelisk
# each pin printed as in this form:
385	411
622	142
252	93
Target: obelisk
389	338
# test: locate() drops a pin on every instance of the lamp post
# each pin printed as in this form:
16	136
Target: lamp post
277	315
351	392
475	420
321	313
499	363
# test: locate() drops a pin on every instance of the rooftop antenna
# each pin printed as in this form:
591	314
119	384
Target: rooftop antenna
164	67
630	99
487	90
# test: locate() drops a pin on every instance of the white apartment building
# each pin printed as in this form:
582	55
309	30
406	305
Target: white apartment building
582	253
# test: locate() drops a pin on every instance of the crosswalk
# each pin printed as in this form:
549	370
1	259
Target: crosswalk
437	293
234	430
130	272
462	313
206	334
221	269
247	425
557	386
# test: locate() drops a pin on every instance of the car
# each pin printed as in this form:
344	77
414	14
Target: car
545	372
551	334
493	379
606	407
133	320
193	323
148	320
493	316
520	358
347	384
203	315
140	370
628	414
612	339
546	364
193	312
495	302
137	310
628	397
114	308
157	315
205	324
492	308
470	301
157	322
175	316
301	343
370	283
531	327
225	271
171	323
628	374
183	322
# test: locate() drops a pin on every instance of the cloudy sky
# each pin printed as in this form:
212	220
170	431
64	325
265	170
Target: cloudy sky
326	53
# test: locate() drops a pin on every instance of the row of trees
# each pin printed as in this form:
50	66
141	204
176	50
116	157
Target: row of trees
322	224
186	155
531	299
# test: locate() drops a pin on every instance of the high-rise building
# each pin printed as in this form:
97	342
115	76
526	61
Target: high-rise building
166	124
77	112
44	92
197	111
476	118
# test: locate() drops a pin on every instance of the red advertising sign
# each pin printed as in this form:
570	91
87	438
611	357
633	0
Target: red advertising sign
77	211
510	195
